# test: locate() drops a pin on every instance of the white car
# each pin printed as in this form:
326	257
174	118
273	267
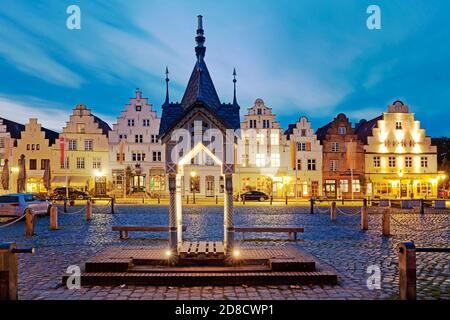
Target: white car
16	204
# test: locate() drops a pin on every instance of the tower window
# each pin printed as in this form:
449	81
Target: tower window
398	125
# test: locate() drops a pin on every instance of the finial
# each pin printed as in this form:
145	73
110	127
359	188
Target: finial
138	93
200	39
167	86
234	83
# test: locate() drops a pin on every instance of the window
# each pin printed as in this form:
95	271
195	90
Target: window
356	185
72	144
81	128
266	124
299	164
33	164
424	162
398	125
38	146
260	160
252	124
195	184
119	157
96	163
156	156
392	162
131	122
260	138
88	145
335	147
344	185
157	180
275	159
312	165
138	138
259	111
138	108
43	164
80	163
303	132
274	138
33	147
334	165
118	178
28	146
342	130
376	162
2	143
154	138
138	156
408	162
66	165
122	136
146	122
301	146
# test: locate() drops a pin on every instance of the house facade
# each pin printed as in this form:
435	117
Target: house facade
306	159
400	161
136	155
343	160
80	155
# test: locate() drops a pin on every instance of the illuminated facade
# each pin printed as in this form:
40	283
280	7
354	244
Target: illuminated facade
400	161
86	164
264	154
136	156
306	159
9	133
34	143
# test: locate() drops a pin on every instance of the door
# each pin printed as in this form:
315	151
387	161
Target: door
210	186
100	186
139	183
404	190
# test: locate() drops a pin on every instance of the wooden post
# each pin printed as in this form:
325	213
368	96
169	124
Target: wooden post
271	199
386	221
65	205
187	199
8	272
364	218
407	270
286	201
143	200
113	202
422	207
217	199
312	206
333	211
53	218
29	222
159	199
88	210
243	199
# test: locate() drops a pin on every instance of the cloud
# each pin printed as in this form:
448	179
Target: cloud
52	115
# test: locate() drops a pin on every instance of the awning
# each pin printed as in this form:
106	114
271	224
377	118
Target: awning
72	180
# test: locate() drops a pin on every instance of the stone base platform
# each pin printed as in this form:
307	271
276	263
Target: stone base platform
253	266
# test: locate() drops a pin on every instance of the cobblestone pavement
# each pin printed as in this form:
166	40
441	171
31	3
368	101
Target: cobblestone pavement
340	244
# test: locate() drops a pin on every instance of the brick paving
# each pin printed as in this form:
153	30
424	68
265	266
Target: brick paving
341	245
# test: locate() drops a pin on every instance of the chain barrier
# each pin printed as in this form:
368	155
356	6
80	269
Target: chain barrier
348	214
12	222
404	226
75	212
320	210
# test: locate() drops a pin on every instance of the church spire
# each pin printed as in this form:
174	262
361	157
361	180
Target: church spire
200	39
234	84
167	86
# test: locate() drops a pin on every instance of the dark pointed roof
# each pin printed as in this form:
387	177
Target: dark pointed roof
102	125
290	130
13	128
322	132
364	128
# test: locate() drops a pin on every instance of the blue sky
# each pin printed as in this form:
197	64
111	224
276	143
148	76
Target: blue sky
314	58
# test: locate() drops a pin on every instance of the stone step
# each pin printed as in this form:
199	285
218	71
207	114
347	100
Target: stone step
202	278
200	269
291	265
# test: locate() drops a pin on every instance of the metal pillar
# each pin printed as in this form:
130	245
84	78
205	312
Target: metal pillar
228	213
179	210
172	213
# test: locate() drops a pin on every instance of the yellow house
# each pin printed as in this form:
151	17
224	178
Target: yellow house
400	161
86	152
34	143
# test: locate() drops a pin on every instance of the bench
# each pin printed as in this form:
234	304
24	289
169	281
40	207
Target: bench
123	230
291	231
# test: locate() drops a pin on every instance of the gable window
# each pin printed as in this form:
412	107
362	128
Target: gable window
146	122
252	124
259	111
303	132
138	138
81	128
392	162
88	145
138	108
334	165
72	145
408	162
80	163
342	130
131	122
33	164
156	156
398	125
424	162
301	146
376	162
312	165
335	147
266	124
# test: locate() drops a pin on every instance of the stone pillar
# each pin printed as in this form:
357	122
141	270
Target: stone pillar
172	213
407	270
228	213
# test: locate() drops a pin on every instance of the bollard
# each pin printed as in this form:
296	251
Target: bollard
159	199
29	222
217	199
342	201
187	199
407	271
333	211
271	199
113	202
65	205
143	200
53	217
422	207
286	200
386	221
193	198
88	210
312	206
364	217
243	199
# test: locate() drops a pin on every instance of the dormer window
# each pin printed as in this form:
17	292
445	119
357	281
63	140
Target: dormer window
398	125
342	130
138	108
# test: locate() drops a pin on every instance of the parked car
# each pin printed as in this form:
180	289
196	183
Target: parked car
254	195
74	194
16	204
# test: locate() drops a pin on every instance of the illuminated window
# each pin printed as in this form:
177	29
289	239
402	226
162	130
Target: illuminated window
96	163
398	125
312	165
335	147
303	133
65	165
299	164
408	162
88	145
81	128
260	160
72	145
260	138
356	185
392	162
342	130
274	138
266	124
334	165
301	146
80	163
275	159
376	162
424	162
252	124
344	185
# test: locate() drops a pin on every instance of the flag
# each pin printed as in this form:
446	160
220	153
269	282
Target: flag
62	150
